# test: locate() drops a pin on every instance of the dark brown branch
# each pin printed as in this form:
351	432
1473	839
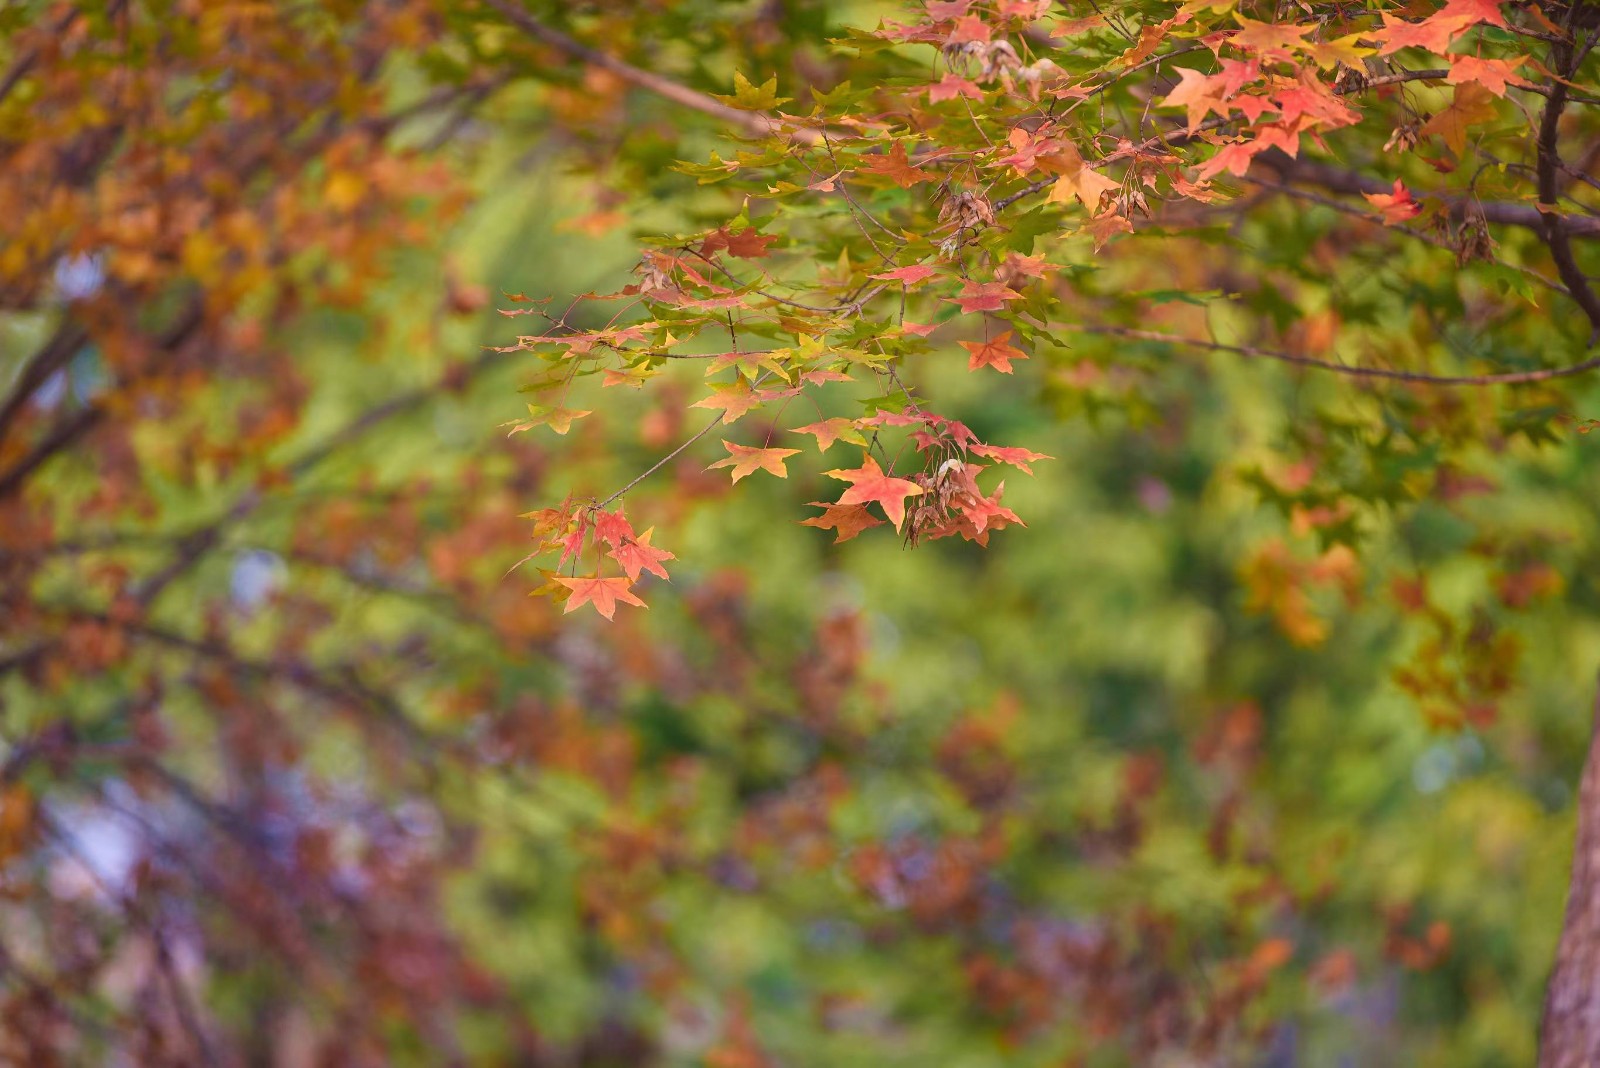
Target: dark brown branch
62	346
1556	235
1366	214
1342	180
73	427
1509	378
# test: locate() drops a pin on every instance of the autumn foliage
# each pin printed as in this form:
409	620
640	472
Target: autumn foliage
1107	479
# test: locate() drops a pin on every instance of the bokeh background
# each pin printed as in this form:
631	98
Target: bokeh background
296	772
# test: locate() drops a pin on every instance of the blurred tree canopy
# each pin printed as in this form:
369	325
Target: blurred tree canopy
1259	742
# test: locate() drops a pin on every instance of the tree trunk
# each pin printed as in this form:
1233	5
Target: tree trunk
1569	1035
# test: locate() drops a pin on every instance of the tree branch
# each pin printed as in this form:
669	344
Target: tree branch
1510	378
1556	235
755	123
1342	180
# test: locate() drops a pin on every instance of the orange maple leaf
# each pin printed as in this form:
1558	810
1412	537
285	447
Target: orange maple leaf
848	519
746	460
1198	93
1433	34
869	483
1493	74
1268	38
1085	183
829	431
603	593
1473	105
993	353
733	399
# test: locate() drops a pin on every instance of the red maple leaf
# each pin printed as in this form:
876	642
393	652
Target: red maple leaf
746	460
1474	11
848	519
951	86
990	296
1396	207
603	593
612	528
1016	457
970	28
993	353
1234	158
869	483
637	555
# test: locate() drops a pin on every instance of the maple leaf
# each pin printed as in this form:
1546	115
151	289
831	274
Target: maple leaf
848	519
1236	75
1017	457
993	353
1017	265
1493	74
1344	50
751	97
603	593
733	399
951	86
1085	183
831	430
1198	93
1105	226
1268	38
1396	207
1473	105
1234	158
633	377
894	166
1474	11
612	528
637	555
1314	98
970	28
911	275
746	460
1432	34
868	483
747	244
989	296
556	418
